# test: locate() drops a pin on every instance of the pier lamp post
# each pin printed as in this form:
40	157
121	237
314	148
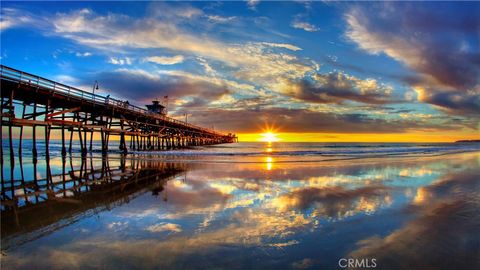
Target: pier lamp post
95	87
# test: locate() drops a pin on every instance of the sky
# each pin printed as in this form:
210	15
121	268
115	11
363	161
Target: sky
309	71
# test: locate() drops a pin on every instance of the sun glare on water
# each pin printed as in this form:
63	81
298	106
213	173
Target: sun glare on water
269	137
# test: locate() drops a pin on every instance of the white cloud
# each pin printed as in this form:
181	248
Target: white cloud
257	62
208	68
185	11
165	60
213	80
139	72
220	19
162	227
85	54
67	79
5	23
117	225
11	17
376	43
120	61
253	67
304	26
252	4
283	45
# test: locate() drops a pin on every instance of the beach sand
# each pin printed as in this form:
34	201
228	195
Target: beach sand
409	212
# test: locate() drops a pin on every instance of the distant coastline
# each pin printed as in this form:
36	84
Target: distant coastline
468	141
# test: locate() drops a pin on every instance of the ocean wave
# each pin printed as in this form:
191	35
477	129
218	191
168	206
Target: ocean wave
281	149
349	151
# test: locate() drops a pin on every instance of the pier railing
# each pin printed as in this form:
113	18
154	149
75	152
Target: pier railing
22	77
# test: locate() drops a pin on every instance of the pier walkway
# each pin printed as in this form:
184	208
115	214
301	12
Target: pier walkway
28	100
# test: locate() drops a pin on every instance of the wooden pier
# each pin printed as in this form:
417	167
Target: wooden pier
28	100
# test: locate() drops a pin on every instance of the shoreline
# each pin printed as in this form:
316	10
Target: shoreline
261	157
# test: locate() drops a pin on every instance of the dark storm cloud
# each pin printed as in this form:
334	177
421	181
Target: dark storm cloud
298	120
428	39
337	87
143	86
455	102
439	41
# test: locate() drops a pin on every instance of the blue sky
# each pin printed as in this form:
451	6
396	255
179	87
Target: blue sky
304	67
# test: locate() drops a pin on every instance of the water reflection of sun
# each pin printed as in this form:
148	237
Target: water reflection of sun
269	163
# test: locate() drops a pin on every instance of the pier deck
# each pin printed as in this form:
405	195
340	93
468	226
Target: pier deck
28	100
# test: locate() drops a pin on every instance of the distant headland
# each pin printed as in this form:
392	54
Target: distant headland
468	141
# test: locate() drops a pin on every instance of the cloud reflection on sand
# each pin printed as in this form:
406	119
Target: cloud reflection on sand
234	214
443	236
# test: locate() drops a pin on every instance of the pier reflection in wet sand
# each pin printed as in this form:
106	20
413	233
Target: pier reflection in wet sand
407	213
45	201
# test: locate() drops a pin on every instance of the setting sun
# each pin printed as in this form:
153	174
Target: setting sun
269	137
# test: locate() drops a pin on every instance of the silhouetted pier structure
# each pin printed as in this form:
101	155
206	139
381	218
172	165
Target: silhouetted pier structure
28	100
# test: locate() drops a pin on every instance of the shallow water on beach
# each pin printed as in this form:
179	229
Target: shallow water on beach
254	211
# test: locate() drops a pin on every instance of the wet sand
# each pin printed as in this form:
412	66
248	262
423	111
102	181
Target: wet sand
418	212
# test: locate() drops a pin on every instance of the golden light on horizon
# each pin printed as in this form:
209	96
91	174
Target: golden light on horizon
269	137
417	136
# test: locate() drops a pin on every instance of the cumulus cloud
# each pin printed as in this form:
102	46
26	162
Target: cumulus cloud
438	47
165	60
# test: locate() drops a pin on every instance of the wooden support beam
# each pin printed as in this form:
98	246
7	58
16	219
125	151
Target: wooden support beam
63	112
47	134
10	135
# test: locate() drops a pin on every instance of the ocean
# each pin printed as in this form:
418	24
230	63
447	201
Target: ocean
285	151
244	206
